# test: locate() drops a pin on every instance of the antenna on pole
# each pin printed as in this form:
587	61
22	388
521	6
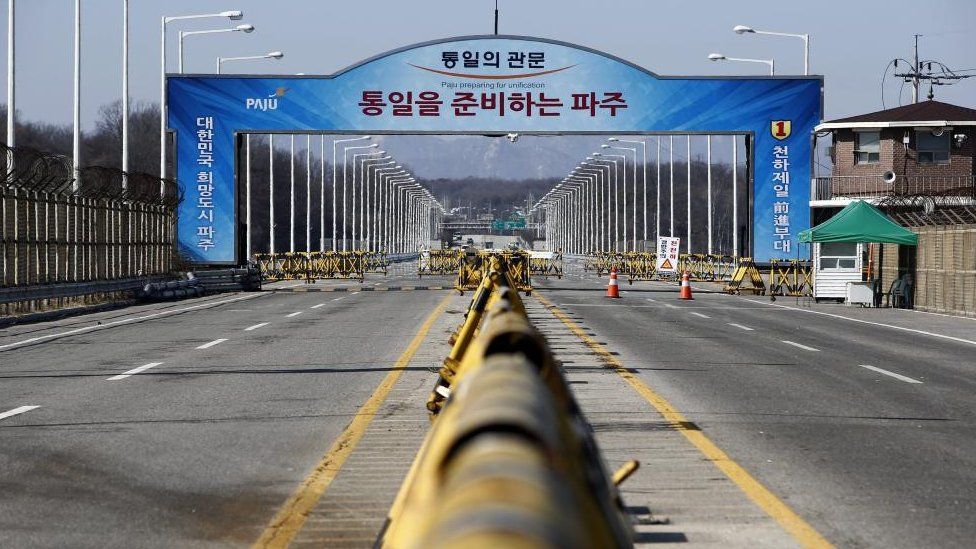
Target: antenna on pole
496	17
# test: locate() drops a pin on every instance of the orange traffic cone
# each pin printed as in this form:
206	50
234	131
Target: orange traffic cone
612	289
686	286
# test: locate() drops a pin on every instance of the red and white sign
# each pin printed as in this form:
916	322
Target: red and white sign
667	254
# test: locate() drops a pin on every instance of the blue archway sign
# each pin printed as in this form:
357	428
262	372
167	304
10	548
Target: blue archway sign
491	84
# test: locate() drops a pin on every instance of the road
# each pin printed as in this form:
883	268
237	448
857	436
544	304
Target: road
243	397
866	431
191	423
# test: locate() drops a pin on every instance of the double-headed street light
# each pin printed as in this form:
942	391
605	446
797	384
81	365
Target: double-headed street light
183	34
742	29
269	55
233	15
770	62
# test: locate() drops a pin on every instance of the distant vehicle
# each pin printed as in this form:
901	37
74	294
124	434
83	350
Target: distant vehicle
470	242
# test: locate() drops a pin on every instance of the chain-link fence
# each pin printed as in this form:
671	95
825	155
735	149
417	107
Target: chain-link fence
108	225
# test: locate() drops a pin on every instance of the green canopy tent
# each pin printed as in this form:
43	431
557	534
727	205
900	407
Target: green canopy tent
859	222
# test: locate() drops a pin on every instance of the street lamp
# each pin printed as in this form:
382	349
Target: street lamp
634	204
183	34
643	145
770	62
345	172
233	15
742	29
335	176
269	55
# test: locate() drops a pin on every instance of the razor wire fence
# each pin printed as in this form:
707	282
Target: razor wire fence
105	225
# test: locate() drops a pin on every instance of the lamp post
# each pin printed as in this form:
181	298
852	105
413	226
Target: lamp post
634	203
355	164
269	55
369	179
345	187
335	176
382	172
76	137
616	198
770	62
742	29
11	90
183	34
643	145
234	15
604	205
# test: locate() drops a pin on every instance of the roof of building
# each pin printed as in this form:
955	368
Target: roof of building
924	113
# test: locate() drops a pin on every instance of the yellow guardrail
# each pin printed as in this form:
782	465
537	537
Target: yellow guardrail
312	265
509	461
439	262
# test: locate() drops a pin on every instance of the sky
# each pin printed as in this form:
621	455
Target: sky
851	41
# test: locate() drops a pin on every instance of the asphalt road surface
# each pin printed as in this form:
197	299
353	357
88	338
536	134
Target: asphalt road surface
190	423
867	431
190	427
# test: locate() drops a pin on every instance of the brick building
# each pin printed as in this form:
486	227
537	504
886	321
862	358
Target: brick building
918	164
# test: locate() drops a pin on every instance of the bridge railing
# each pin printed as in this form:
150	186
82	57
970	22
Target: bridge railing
509	460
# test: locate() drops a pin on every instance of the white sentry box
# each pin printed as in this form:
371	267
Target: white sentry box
834	265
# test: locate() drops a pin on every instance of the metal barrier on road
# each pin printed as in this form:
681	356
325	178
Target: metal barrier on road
790	277
312	265
474	266
746	278
439	262
546	264
509	460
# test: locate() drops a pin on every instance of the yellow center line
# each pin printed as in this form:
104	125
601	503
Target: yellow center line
291	517
802	531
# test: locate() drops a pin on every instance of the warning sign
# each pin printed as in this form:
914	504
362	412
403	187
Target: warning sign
667	254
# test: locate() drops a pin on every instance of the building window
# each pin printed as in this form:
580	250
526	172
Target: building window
932	149
867	147
838	256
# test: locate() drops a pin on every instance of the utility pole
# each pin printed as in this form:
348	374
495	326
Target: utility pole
942	76
915	69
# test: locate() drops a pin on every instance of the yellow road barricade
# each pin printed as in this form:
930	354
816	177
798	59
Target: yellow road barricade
790	277
474	265
546	264
746	278
312	265
439	262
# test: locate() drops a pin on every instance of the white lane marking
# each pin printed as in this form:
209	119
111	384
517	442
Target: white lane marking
800	346
670	306
740	326
376	283
701	315
84	329
906	379
340	298
212	343
883	325
317	306
16	411
134	371
296	313
256	326
652	300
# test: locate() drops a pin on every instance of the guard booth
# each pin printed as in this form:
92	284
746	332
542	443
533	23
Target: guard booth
839	251
835	264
